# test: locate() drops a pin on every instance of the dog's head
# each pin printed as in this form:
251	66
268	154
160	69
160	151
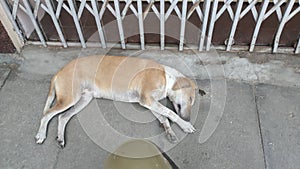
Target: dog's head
183	96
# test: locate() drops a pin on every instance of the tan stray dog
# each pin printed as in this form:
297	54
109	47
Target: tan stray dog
118	78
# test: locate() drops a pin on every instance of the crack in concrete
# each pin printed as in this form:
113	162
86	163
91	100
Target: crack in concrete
259	125
5	79
56	159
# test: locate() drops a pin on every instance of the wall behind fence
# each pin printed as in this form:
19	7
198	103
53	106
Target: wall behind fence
6	46
244	22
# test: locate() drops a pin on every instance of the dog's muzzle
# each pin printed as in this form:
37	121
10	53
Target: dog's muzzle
186	118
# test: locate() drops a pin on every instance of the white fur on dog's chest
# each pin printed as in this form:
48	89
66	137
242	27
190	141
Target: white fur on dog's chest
171	76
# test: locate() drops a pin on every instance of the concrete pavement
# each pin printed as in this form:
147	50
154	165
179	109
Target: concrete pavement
260	126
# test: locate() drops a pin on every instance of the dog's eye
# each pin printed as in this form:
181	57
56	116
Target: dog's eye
179	107
191	100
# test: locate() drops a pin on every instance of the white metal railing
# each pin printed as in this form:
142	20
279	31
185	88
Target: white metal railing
210	8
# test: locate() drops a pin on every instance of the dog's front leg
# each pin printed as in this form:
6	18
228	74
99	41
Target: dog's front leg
155	106
165	122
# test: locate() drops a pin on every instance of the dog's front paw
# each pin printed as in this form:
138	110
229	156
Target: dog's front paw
39	138
188	127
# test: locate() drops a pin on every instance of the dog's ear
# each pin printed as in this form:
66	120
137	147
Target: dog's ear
202	92
182	82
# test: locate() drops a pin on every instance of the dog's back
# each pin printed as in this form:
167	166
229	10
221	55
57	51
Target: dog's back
111	77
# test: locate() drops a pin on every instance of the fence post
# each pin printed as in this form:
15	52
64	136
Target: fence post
56	24
212	24
282	23
258	24
76	21
11	26
141	23
204	24
298	46
98	23
183	23
162	24
234	24
119	22
34	22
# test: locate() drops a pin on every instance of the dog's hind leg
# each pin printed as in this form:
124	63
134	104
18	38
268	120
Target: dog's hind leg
61	105
165	122
65	117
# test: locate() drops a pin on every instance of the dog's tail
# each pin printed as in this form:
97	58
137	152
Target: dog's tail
51	95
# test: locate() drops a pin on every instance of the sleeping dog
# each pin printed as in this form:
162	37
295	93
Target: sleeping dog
118	78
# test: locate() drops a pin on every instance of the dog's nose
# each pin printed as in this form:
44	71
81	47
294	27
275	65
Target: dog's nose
186	118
